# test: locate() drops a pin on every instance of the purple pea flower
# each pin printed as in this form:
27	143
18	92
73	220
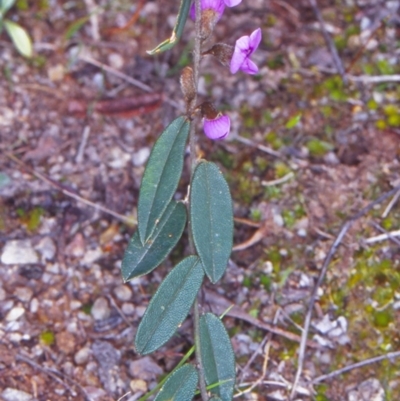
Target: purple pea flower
218	6
244	48
217	128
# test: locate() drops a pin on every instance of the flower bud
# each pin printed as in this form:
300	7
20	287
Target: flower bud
222	52
187	86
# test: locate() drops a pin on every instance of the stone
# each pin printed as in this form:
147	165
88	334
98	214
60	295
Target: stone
24	294
34	305
144	368
12	394
65	342
19	252
46	248
368	390
127	308
140	157
100	309
15	313
82	356
123	292
138	386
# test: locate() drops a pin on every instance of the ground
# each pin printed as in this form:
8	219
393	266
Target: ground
307	151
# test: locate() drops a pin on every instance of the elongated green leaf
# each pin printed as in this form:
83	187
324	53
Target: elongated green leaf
169	305
161	176
180	386
20	38
141	259
217	356
211	219
5	5
177	31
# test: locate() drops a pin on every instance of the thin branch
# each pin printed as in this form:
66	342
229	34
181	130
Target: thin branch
372	79
278	181
390	205
66	192
263	148
54	374
125	77
383	237
328	40
345	227
390	355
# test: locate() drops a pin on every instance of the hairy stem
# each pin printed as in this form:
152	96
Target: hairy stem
192	145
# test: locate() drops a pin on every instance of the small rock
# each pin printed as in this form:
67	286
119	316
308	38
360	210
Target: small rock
94	393
140	157
15	313
76	247
12	394
65	342
140	310
2	294
19	252
123	292
116	61
145	368
138	386
92	256
24	294
82	356
118	158
100	309
46	248
128	308
368	390
34	306
56	73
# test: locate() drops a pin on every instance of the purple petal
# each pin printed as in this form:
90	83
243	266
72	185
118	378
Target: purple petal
249	67
255	39
240	54
217	5
192	12
232	3
217	128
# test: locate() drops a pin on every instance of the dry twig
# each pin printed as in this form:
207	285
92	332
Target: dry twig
59	187
329	42
390	355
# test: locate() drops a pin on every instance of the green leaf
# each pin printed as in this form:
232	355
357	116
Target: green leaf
5	5
20	38
141	259
75	27
211	219
180	386
217	356
161	176
177	31
169	305
293	121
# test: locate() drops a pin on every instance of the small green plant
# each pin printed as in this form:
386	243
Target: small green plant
208	213
18	35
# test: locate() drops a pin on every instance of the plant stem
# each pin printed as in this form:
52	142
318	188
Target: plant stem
192	146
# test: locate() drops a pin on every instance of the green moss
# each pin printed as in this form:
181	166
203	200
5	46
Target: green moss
47	338
318	148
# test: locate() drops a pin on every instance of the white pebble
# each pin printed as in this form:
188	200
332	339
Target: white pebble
100	309
15	313
123	292
19	252
82	356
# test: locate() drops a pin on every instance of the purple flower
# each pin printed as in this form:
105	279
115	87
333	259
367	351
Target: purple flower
244	48
217	128
232	3
218	6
